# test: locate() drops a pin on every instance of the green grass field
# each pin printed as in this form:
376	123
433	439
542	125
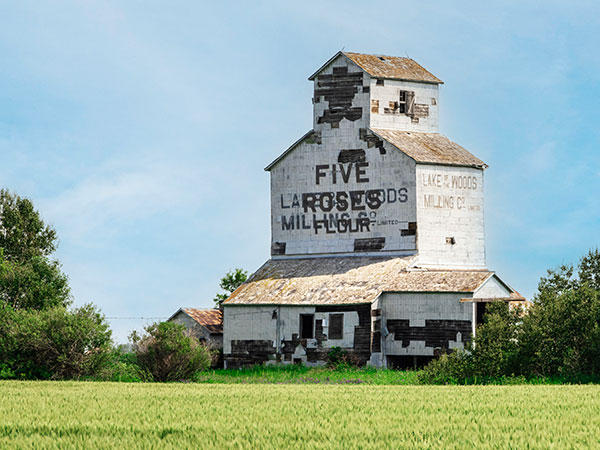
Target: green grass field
123	415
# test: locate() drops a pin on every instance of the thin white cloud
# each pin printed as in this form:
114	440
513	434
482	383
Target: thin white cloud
105	203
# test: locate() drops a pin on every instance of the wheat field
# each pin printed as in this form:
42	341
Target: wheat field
122	415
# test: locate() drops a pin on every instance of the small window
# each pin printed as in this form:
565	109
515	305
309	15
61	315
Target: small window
336	326
402	102
406	102
379	82
307	326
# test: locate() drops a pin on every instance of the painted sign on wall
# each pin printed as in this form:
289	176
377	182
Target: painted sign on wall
325	207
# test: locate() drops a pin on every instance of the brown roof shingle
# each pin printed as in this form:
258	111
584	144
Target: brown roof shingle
382	66
346	280
430	148
211	319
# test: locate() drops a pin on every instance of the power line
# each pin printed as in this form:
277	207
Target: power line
137	318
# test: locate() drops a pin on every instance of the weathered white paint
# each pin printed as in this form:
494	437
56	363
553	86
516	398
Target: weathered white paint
425	94
450	205
492	288
296	174
417	308
259	323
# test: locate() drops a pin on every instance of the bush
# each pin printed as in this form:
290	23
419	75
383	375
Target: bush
122	366
338	357
452	368
494	352
170	353
55	343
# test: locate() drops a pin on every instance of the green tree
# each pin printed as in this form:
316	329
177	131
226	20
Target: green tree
561	333
29	278
229	283
23	233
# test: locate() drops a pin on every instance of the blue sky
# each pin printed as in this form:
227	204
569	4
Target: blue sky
140	129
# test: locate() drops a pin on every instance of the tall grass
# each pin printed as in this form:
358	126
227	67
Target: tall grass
298	374
149	415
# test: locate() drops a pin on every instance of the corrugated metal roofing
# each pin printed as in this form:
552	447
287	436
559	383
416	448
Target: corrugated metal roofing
211	319
429	148
346	280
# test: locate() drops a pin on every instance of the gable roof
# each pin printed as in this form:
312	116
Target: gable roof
390	67
430	148
211	319
424	148
347	280
289	149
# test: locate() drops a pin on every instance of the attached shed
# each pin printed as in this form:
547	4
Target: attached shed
380	309
205	324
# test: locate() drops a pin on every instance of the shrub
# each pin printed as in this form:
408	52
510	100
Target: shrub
170	353
494	352
339	357
55	343
452	368
122	366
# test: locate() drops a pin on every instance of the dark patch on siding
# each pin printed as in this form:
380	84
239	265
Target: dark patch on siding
252	346
313	138
352	155
411	231
435	333
369	244
366	89
375	312
339	89
278	248
372	140
249	352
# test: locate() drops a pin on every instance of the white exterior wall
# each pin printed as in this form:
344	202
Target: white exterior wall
361	99
257	323
247	322
295	175
492	288
417	308
425	94
450	205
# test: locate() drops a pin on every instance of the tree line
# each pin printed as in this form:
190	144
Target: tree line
43	336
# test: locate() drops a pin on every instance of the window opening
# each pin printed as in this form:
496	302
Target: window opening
307	326
336	326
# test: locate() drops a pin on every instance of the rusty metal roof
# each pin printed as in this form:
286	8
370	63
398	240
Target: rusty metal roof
390	67
211	319
347	280
430	148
